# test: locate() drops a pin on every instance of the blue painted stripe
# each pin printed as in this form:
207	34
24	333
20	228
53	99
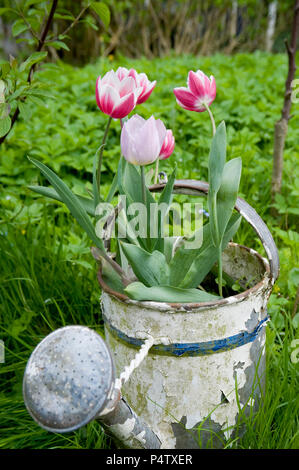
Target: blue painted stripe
192	349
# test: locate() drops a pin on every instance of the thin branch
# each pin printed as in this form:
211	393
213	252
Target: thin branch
291	50
75	21
29	25
281	126
40	45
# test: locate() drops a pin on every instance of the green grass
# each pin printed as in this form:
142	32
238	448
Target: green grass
47	276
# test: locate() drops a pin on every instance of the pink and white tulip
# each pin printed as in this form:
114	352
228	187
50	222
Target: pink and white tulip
116	97
141	81
200	93
168	145
141	140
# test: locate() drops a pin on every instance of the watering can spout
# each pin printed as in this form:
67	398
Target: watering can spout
69	381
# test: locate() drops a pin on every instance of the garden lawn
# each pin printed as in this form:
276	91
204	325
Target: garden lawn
47	275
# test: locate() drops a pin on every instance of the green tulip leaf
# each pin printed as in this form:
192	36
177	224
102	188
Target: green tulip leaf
52	194
149	268
228	193
71	201
138	291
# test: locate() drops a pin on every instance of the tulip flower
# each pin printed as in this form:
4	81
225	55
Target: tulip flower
168	145
116	97
141	81
200	93
141	140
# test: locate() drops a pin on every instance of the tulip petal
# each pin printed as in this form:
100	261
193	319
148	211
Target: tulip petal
197	84
124	106
132	73
109	98
185	98
168	145
110	78
147	143
125	141
122	73
127	85
134	123
146	93
212	89
162	132
98	85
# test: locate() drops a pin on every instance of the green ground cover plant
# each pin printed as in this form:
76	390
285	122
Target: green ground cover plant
47	275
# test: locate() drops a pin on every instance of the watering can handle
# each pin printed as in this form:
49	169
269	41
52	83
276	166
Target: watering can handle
249	214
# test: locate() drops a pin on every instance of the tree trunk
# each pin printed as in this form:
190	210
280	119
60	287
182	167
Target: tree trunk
281	129
272	11
281	126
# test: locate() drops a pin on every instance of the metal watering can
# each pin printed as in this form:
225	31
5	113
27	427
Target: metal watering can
70	378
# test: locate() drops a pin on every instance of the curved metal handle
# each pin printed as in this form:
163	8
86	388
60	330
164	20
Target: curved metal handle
249	214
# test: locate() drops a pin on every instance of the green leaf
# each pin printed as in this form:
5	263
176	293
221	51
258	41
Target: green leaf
72	202
138	291
95	189
208	255
5	125
21	90
217	158
101	9
58	45
113	188
51	193
4	110
183	258
5	69
149	268
228	193
19	27
111	278
33	59
39	92
129	184
168	247
31	2
24	110
165	198
6	10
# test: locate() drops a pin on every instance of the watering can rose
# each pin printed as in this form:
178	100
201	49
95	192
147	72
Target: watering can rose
141	80
200	93
115	97
141	140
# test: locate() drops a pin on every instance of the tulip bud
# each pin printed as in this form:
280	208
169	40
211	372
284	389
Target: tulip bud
141	140
116	97
141	80
200	93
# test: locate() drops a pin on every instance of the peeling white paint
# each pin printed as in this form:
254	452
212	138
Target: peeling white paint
140	437
124	431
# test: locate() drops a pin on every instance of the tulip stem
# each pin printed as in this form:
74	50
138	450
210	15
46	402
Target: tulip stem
212	119
220	270
156	171
143	185
143	191
217	242
101	155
